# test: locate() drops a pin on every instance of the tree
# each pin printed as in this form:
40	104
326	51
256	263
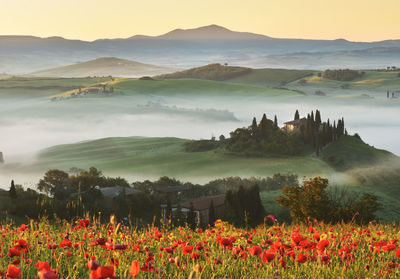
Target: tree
276	123
313	200
211	213
296	115
178	216
191	219
13	191
168	209
55	182
254	127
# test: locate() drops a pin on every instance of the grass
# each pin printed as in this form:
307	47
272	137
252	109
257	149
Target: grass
104	67
312	250
273	77
194	86
155	157
355	153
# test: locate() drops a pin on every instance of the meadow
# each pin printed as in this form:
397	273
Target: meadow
87	248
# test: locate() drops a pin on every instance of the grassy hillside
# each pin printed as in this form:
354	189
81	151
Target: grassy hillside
195	86
370	81
108	66
154	157
274	77
209	72
350	152
39	87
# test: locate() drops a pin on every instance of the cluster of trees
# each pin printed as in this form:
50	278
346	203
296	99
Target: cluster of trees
263	138
313	200
216	72
243	207
317	133
342	74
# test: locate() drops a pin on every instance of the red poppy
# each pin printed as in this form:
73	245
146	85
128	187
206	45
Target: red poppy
84	223
301	258
47	275
398	253
13	272
187	249
268	256
135	268
255	250
14	252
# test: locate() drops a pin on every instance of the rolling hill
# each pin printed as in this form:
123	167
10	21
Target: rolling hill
108	66
156	157
216	72
194	47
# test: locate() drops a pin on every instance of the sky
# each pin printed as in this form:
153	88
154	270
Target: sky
355	20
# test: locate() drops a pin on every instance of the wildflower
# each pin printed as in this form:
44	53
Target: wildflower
135	268
13	272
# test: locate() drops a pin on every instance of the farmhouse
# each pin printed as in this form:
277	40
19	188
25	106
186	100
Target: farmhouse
294	126
201	207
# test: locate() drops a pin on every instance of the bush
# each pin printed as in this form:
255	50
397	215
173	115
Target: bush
312	200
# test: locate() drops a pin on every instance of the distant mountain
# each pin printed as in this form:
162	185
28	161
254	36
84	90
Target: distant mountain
187	49
108	66
371	58
210	32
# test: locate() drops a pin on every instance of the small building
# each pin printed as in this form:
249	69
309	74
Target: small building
111	193
201	207
294	126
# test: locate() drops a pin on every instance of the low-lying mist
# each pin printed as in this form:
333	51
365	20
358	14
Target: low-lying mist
26	127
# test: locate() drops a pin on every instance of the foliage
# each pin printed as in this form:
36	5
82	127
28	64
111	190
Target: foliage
244	207
342	74
202	145
209	72
263	138
312	200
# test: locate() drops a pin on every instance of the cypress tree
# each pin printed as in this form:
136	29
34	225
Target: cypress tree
211	213
317	119
276	123
168	210
191	217
296	115
13	191
263	127
254	127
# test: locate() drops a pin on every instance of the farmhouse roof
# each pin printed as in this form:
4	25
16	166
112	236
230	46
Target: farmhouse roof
203	203
294	122
171	189
113	192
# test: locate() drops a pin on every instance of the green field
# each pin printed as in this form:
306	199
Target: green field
106	66
272	77
155	157
355	153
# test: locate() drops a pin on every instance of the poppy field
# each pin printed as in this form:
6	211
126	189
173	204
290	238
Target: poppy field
88	249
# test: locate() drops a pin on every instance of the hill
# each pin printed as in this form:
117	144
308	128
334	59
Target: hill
351	152
210	32
154	157
108	66
210	72
194	47
274	77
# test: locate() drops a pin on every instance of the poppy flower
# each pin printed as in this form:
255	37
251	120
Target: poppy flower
187	250
13	272
268	256
255	250
301	258
135	268
84	223
14	252
47	274
398	253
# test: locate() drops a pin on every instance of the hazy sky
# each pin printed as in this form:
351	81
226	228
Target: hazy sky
357	20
